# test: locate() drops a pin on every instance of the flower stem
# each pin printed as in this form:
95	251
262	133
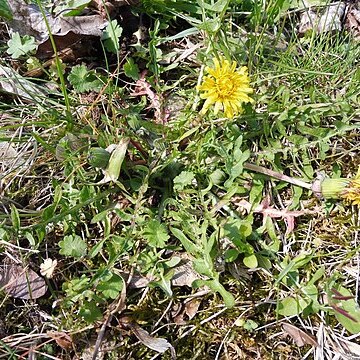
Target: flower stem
277	175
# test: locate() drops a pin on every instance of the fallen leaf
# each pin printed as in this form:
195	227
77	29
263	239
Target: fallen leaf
157	344
8	154
62	339
308	19
192	307
352	21
189	308
142	87
13	83
300	337
20	282
184	275
136	281
348	349
330	20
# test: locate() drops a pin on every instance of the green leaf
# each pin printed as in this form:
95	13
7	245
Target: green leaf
111	36
131	69
99	157
111	287
301	260
311	291
76	6
90	312
211	25
84	80
96	248
231	255
250	325
19	46
291	306
347	312
237	231
112	171
172	262
215	286
250	261
219	6
5	11
183	179
189	246
73	245
318	275
236	166
156	234
164	283
203	268
15	218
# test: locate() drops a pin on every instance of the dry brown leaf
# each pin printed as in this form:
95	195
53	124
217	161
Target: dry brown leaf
185	275
300	337
348	349
189	309
157	344
20	282
177	313
62	339
352	22
13	83
330	20
307	21
142	87
136	281
192	307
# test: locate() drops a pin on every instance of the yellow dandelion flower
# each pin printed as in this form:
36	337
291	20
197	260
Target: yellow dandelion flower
226	87
341	188
352	192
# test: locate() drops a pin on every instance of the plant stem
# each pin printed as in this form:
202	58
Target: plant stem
277	175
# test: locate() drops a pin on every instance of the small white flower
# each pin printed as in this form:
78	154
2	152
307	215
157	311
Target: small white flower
47	268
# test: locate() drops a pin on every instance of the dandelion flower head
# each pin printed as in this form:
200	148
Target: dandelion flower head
227	87
352	192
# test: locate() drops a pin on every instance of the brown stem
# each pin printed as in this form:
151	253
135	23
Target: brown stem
277	175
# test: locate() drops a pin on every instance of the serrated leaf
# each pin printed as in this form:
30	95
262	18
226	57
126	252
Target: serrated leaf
5	11
156	234
183	179
111	287
19	46
73	245
84	80
111	36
